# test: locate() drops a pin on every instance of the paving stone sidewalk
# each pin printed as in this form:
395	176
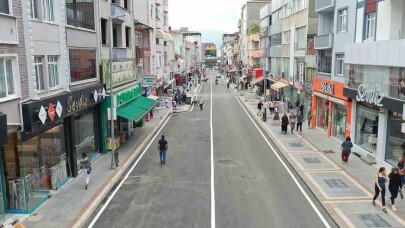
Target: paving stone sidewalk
345	190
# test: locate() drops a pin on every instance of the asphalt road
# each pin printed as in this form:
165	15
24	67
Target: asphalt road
252	188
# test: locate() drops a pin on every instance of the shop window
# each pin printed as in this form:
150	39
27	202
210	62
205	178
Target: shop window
34	9
339	121
340	64
82	64
7	86
5	6
85	138
395	138
48	10
322	113
80	13
39	72
366	128
325	61
53	74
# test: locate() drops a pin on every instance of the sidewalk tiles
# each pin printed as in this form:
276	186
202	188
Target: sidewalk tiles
345	190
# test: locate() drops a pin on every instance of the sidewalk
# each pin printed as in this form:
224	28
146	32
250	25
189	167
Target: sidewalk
345	190
69	206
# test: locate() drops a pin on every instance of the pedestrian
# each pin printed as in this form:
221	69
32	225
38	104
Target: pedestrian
403	148
297	105
259	106
184	97
276	116
346	148
201	103
265	106
284	123
301	109
309	116
162	147
271	107
86	166
293	120
401	168
299	122
379	186
395	186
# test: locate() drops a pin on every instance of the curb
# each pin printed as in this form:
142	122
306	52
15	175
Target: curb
84	214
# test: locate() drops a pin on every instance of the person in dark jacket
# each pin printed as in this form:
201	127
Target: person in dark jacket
394	186
346	150
284	123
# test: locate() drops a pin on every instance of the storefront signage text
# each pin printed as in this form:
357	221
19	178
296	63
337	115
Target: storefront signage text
149	79
327	88
74	105
371	96
126	96
122	72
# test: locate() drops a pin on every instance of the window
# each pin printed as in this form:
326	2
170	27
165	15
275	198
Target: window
82	64
256	45
138	39
286	67
340	64
126	4
342	20
151	11
80	13
104	31
276	39
53	75
48	10
366	128
127	36
286	37
325	61
370	26
39	72
395	143
157	13
34	9
6	77
4	6
301	38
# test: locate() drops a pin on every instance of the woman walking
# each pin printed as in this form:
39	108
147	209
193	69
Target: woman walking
284	123
86	166
346	150
379	186
395	185
276	116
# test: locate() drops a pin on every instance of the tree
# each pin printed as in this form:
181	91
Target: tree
253	29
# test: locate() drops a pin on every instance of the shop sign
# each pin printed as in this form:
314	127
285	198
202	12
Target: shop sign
327	88
122	72
149	79
76	104
301	66
59	109
51	111
371	96
127	95
308	87
42	114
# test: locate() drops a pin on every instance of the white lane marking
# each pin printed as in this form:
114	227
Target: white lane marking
212	169
288	170
126	177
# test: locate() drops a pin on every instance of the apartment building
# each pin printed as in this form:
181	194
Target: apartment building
375	80
265	22
336	29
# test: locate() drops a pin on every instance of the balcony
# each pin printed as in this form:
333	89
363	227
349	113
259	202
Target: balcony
158	24
119	53
323	41
165	8
159	48
255	53
324	5
158	2
117	10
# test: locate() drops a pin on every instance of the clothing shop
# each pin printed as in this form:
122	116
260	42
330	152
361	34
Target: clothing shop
378	122
279	88
331	110
43	157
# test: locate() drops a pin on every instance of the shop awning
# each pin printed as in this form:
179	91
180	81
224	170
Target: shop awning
257	80
278	85
136	109
169	83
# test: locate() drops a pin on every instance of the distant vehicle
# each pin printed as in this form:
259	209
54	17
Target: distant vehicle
218	75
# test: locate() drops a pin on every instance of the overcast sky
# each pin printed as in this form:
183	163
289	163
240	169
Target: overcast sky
222	15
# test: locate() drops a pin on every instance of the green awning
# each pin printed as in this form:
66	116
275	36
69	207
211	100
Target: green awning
136	109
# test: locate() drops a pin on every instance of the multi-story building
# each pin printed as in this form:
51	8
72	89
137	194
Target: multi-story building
143	28
336	29
265	22
375	80
254	51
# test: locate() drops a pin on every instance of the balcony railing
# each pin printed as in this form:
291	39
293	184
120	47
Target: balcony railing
158	24
117	10
323	41
324	5
119	53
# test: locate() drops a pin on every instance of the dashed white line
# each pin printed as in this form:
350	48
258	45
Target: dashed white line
288	170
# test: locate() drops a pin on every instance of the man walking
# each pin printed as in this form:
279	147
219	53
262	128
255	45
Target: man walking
162	147
201	103
309	116
299	122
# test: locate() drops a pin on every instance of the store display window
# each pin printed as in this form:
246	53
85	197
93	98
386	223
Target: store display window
323	114
395	138
339	121
366	128
85	137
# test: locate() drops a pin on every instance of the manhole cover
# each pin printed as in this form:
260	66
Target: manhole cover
335	183
329	151
373	220
311	160
295	144
248	176
205	138
228	162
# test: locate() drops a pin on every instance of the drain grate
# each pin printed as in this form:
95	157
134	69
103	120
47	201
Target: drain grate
250	176
311	160
295	144
329	151
335	183
373	220
228	162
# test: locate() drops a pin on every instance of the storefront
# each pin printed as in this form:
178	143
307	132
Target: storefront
43	157
131	108
331	110
378	120
278	89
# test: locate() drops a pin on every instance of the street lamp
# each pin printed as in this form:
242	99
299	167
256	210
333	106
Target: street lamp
112	108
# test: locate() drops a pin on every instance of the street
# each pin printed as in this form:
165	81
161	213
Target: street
251	184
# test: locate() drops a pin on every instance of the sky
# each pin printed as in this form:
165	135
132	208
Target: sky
211	17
